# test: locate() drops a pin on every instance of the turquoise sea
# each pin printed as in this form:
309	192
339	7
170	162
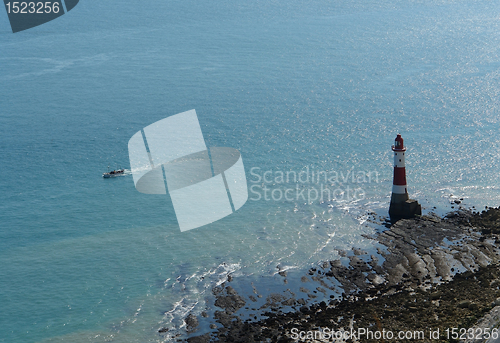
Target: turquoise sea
297	86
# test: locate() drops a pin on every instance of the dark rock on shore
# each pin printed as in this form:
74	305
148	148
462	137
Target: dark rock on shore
488	220
191	323
231	301
435	273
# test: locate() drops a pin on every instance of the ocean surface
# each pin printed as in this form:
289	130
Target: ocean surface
311	88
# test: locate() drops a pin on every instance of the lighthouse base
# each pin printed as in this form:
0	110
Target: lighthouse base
397	198
404	210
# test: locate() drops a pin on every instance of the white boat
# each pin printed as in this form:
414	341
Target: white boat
113	173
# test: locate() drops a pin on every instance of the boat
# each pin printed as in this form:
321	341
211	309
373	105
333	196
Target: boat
113	173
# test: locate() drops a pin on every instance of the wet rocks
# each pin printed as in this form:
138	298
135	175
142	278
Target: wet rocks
430	272
191	323
496	302
199	339
488	220
230	303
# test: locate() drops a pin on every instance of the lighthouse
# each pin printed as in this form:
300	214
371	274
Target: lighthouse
401	204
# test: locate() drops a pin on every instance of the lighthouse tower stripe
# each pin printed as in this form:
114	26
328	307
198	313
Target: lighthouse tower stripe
399	158
399	189
399	176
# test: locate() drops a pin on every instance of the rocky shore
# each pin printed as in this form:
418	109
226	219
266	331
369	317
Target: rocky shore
431	273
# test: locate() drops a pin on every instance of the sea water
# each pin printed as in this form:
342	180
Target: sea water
297	87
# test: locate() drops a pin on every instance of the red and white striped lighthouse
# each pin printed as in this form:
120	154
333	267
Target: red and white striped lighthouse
399	187
401	204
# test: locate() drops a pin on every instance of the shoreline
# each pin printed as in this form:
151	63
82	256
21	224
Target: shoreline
431	273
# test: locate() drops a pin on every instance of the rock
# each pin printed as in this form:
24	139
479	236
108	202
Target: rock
342	253
224	318
412	248
288	302
496	302
435	295
191	322
464	304
163	330
376	279
199	339
358	252
217	290
231	303
230	290
336	263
